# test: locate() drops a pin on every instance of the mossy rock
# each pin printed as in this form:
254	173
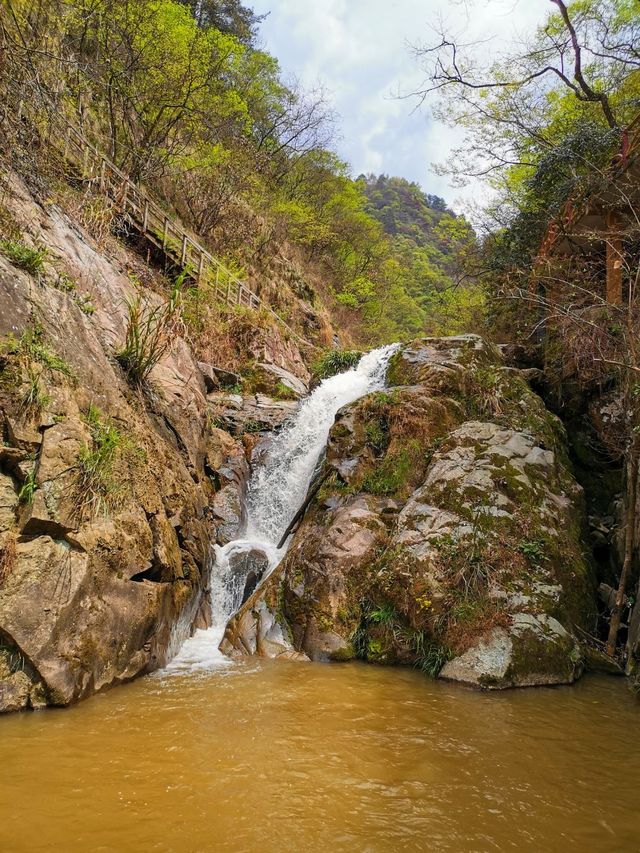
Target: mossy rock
448	533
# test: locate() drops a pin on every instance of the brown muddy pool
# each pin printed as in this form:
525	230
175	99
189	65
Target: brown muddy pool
280	756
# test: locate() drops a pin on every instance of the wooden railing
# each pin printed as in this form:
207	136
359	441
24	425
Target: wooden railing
146	215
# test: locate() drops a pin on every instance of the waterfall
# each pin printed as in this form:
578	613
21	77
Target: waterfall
279	485
276	491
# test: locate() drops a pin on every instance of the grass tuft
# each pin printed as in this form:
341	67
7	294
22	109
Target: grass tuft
29	487
430	656
31	347
100	483
34	399
95	462
23	256
149	334
335	361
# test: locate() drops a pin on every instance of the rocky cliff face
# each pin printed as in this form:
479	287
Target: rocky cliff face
447	534
110	495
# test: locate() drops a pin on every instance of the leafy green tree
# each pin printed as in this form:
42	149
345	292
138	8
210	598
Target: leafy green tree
188	105
228	16
580	68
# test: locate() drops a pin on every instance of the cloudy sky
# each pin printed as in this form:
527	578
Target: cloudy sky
359	51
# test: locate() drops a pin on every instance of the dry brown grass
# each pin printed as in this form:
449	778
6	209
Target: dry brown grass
95	213
7	557
222	335
465	627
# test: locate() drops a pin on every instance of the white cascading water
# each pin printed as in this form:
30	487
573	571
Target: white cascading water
276	491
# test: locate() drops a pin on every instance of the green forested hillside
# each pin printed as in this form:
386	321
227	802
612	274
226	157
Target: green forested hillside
403	208
432	245
182	99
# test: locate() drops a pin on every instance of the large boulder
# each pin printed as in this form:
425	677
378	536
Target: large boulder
247	570
254	414
448	533
297	387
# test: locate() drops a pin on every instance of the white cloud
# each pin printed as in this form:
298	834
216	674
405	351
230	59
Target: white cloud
360	51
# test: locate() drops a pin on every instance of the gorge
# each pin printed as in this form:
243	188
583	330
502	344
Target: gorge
319	497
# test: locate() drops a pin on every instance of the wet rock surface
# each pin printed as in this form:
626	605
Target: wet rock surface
449	533
249	569
250	415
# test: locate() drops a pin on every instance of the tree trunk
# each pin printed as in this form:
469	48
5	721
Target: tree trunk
300	514
629	539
